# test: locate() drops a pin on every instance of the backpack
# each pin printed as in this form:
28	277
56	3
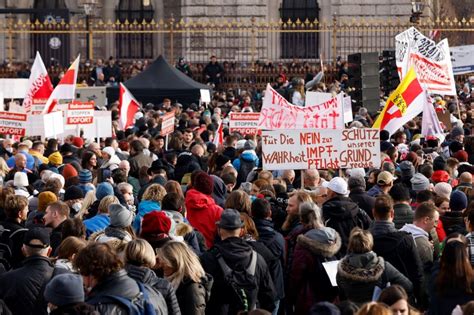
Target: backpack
245	168
139	305
11	255
243	284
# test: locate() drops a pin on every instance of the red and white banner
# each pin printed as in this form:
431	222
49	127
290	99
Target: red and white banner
167	124
320	149
128	107
431	61
39	84
244	123
278	113
12	123
66	88
79	113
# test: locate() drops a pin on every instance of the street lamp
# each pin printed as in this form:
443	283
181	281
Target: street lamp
89	6
416	11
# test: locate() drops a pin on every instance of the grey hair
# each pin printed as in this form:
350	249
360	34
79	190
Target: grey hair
310	215
356	181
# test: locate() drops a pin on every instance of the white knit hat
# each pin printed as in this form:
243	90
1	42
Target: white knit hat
20	180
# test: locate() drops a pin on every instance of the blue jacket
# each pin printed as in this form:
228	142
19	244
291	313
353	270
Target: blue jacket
144	207
96	224
247	155
30	161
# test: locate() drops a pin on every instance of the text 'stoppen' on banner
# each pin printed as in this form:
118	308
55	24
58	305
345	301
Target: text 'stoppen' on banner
13	123
79	113
277	113
244	123
320	149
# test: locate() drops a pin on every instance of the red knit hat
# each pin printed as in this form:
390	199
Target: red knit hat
77	142
156	222
461	155
203	183
69	171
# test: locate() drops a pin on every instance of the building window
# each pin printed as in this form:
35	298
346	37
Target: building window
134	45
299	44
53	47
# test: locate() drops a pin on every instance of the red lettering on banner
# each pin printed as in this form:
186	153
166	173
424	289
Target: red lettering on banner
79	120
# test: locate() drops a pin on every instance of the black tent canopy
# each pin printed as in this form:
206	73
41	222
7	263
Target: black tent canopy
158	81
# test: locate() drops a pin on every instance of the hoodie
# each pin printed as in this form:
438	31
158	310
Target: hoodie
423	244
203	213
219	193
342	214
111	164
247	156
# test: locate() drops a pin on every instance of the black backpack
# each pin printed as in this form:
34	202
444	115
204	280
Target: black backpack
243	284
245	168
10	251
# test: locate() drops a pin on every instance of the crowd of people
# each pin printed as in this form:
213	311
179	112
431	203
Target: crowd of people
145	224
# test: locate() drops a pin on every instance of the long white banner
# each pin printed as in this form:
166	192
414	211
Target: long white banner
432	62
320	149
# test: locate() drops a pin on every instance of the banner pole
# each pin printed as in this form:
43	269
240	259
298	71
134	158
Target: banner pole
166	143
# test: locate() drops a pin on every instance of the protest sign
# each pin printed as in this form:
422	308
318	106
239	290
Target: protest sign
320	149
244	123
432	62
101	126
278	113
461	57
205	95
348	117
167	124
46	126
12	123
14	88
79	113
38	106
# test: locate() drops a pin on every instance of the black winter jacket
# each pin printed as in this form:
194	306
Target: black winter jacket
403	215
364	201
237	254
399	249
120	284
147	276
193	297
342	214
22	289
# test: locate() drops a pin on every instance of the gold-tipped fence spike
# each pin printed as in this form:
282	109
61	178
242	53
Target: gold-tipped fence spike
298	21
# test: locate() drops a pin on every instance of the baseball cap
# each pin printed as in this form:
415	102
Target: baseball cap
384	178
230	220
38	234
338	185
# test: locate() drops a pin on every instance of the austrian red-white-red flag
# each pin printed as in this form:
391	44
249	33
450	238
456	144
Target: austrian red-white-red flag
128	107
39	84
66	88
219	136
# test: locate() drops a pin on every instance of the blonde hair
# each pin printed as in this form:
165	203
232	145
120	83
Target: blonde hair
374	308
182	260
106	202
89	199
154	192
140	253
3	168
360	241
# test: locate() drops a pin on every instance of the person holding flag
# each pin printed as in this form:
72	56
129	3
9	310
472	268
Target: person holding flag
128	107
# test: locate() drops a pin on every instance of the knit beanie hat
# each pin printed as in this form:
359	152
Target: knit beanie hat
458	201
407	169
457	131
72	193
55	158
439	164
77	142
203	183
461	156
20	180
45	199
156	222
120	216
64	289
104	189
443	190
419	182
85	176
69	171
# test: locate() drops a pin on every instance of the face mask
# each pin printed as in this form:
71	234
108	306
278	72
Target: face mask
76	207
456	173
9	149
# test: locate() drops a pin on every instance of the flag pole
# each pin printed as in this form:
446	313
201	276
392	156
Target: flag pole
457	105
166	143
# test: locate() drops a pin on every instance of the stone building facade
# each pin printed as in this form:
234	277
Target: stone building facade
199	46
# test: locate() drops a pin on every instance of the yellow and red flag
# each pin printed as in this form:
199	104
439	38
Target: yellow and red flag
404	104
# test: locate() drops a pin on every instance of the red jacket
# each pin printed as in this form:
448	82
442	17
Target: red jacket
203	212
